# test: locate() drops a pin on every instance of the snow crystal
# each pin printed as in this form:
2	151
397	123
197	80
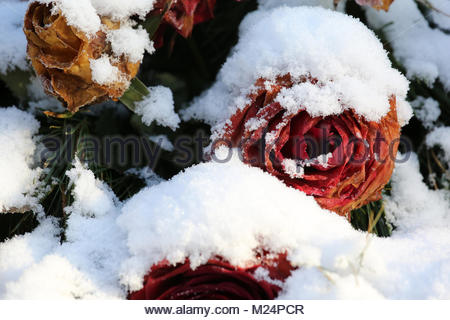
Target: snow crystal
343	54
13	48
423	51
19	182
427	110
440	136
104	73
158	106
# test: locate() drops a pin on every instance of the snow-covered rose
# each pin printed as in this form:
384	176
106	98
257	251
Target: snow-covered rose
343	160
215	280
77	68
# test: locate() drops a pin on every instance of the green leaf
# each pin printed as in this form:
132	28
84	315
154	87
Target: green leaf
135	93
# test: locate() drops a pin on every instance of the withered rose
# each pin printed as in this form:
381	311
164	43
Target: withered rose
344	161
61	54
215	280
182	15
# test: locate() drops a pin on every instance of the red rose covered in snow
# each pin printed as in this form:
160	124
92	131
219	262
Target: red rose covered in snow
215	280
343	160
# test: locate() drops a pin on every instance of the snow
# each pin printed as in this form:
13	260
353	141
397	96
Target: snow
270	4
91	195
440	136
158	106
344	55
86	15
423	51
104	73
235	220
130	42
232	210
441	13
247	209
426	110
13	49
120	10
83	267
21	252
19	181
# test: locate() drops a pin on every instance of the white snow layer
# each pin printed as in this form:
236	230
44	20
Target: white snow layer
270	4
423	51
337	49
232	210
158	106
441	13
19	182
13	49
86	266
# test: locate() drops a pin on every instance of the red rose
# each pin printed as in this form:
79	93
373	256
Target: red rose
344	161
182	15
215	280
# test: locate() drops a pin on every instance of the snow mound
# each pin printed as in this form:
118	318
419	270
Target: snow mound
232	210
19	182
343	54
424	51
86	266
158	106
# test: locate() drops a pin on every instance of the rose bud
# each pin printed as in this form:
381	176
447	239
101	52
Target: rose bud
215	280
62	57
343	160
182	15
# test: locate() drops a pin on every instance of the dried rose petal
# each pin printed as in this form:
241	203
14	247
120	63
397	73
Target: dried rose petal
61	54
